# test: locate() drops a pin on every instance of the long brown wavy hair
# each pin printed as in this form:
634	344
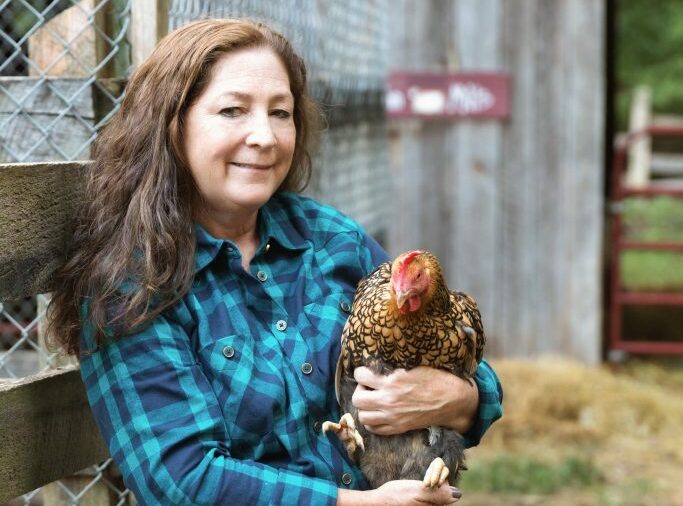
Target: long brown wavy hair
132	254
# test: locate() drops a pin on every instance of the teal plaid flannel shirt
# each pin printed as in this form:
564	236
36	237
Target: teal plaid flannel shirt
220	400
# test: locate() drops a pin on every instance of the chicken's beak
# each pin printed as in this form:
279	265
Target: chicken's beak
401	298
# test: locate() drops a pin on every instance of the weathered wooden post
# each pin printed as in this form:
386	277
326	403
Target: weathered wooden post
46	427
78	27
149	22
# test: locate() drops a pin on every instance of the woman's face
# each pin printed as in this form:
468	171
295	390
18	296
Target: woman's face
239	135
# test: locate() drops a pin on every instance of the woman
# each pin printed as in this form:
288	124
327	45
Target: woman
204	298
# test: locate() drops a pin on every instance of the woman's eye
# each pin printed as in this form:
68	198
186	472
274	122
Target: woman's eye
231	112
281	113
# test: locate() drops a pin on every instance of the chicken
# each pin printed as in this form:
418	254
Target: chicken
404	316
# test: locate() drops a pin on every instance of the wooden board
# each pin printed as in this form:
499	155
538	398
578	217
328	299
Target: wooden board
43	120
476	168
640	152
47	431
667	164
515	208
148	24
37	204
65	46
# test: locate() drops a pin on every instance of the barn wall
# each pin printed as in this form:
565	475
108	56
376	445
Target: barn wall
514	207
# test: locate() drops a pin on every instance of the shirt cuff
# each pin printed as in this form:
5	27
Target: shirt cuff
490	403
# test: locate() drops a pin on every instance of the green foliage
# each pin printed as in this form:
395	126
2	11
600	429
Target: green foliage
25	15
527	475
649	38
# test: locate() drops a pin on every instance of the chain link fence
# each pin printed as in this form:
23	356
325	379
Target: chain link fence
63	65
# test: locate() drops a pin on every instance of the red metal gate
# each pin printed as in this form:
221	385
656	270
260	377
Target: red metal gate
619	297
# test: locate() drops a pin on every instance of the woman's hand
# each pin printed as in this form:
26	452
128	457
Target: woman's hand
414	399
400	493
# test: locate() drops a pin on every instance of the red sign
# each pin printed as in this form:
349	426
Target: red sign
442	95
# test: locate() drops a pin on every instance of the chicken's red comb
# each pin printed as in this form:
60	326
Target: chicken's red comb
407	259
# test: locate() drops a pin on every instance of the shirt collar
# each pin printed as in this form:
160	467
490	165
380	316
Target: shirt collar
207	247
274	226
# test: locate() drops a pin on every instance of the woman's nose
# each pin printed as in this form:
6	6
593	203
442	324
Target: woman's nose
260	131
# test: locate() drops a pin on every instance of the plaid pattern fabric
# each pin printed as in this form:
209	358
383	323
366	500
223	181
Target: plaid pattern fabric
220	400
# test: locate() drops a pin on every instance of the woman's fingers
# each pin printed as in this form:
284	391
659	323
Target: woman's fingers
372	418
414	493
367	378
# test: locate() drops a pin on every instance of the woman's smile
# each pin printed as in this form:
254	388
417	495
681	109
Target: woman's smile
253	166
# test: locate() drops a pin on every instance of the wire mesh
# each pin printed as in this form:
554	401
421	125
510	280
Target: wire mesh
62	68
54	88
58	65
22	355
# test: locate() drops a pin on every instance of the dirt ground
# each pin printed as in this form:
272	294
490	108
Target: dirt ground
623	425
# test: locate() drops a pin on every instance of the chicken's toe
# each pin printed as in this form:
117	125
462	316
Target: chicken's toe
331	426
436	474
347	433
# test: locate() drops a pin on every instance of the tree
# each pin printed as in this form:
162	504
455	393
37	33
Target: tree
648	51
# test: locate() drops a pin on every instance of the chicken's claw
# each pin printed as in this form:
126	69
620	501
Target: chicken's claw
436	473
347	433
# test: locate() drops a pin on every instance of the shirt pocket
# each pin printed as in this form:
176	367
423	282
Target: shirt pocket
228	363
227	354
249	396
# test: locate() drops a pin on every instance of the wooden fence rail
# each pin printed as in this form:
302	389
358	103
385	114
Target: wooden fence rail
47	431
37	204
46	428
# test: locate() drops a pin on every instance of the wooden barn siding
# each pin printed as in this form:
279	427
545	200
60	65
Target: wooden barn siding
514	208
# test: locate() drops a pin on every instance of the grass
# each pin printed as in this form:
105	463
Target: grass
652	270
655	219
529	475
575	435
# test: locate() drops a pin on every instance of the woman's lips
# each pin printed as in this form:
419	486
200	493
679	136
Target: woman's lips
255	166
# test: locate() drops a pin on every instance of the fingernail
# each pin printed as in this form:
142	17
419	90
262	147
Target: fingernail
455	492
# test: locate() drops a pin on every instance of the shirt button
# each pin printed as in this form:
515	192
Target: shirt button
346	307
317	426
229	352
346	479
261	275
306	368
281	325
267	247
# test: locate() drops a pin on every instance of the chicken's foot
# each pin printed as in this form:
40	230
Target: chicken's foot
347	433
436	474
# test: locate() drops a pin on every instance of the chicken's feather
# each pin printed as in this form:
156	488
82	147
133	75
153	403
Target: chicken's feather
446	334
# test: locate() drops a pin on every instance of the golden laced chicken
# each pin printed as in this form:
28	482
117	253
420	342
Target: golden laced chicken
404	316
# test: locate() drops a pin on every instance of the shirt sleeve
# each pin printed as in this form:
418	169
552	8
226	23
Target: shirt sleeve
164	428
490	403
